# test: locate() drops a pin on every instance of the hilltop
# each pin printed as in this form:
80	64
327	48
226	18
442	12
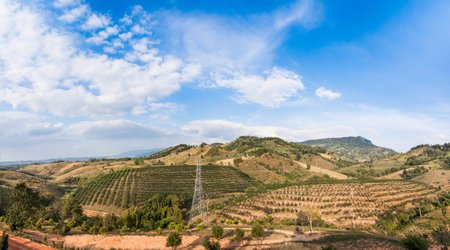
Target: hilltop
426	163
352	148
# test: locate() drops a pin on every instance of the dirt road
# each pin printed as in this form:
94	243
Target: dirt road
19	243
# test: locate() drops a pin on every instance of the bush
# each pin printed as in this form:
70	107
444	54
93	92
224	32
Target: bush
173	240
329	247
239	234
415	243
257	232
211	245
217	231
159	231
84	227
199	227
4	241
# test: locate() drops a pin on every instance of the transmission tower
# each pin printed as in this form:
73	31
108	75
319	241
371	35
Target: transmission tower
198	208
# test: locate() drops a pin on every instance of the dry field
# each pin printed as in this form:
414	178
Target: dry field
337	204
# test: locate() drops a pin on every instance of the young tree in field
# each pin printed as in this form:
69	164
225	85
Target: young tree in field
211	245
23	205
217	231
239	234
173	240
258	232
307	216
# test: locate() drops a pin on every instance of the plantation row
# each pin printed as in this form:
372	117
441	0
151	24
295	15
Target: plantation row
133	186
338	204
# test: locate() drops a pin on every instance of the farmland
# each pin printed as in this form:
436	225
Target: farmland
132	186
339	204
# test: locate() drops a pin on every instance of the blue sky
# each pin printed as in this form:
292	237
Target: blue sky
93	78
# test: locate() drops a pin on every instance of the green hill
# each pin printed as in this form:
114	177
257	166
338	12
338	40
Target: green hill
351	148
132	186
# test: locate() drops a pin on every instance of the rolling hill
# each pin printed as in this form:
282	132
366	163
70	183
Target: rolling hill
357	148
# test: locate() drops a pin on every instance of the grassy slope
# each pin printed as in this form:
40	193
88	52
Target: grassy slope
132	186
337	203
352	148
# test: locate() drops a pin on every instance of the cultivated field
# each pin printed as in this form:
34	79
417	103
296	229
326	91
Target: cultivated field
133	186
337	204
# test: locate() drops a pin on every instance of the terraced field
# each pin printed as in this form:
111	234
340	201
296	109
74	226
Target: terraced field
132	186
338	204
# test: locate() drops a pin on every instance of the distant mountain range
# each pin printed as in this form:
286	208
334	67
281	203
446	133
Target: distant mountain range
353	148
130	154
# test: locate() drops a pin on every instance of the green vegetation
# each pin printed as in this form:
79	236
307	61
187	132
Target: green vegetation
129	187
257	232
217	231
415	243
176	149
352	148
24	203
256	146
4	241
239	234
173	240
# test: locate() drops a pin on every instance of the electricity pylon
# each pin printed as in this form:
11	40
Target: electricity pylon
198	208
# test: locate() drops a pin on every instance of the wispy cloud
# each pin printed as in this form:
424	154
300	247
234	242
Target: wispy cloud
322	92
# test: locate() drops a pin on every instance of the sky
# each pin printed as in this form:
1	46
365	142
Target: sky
97	78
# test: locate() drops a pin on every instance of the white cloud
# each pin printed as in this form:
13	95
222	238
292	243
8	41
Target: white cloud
237	50
65	3
384	127
275	87
44	71
74	14
322	92
96	21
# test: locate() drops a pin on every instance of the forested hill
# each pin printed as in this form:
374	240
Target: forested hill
353	148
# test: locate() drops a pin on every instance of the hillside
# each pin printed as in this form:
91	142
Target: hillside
132	186
357	149
338	204
416	162
269	160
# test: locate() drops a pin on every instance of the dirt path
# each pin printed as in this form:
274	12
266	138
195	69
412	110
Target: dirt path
19	243
332	174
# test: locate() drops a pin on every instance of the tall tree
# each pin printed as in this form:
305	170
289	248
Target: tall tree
23	205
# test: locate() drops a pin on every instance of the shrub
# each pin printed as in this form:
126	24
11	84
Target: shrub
179	228
159	231
173	240
217	231
415	243
329	247
199	227
84	227
257	232
4	241
211	245
239	234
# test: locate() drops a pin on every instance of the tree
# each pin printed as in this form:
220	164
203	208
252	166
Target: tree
23	204
173	240
4	241
307	216
415	243
257	232
217	231
239	234
211	245
71	208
